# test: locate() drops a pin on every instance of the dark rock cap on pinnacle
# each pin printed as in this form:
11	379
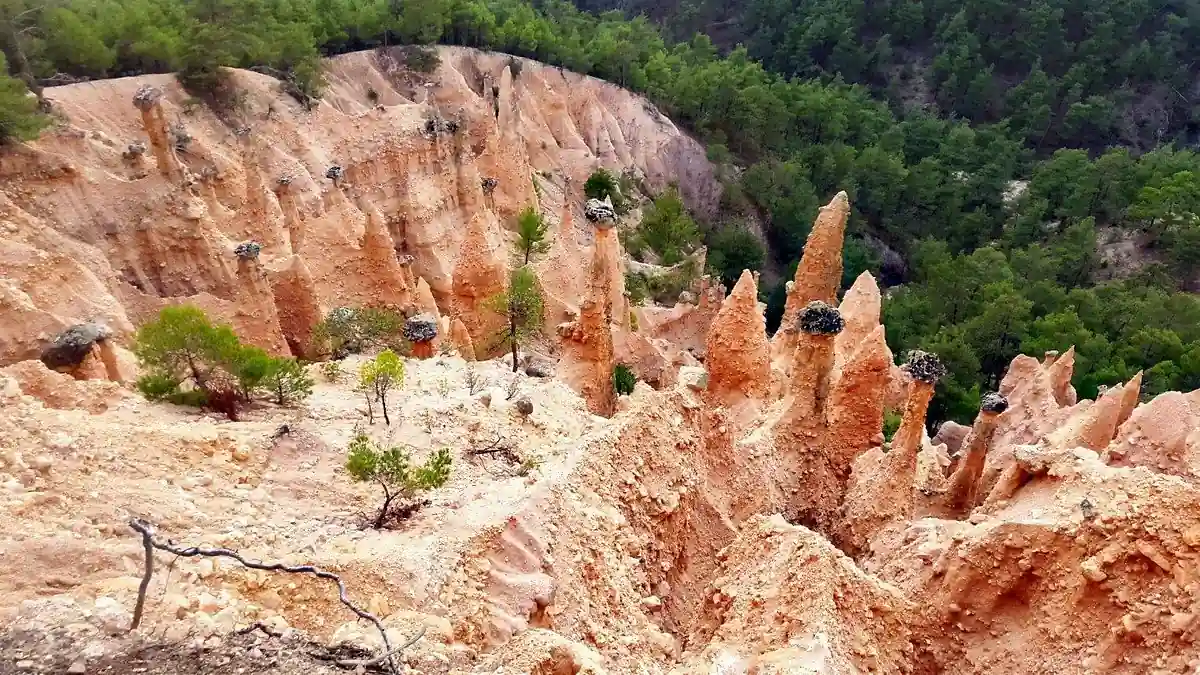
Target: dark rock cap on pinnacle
993	402
925	367
819	318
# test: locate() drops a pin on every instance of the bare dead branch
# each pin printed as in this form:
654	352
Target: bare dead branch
148	546
258	625
379	659
149	542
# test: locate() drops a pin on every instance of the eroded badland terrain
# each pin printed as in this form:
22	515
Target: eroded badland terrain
741	515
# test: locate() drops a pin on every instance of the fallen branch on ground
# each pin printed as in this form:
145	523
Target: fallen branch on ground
149	543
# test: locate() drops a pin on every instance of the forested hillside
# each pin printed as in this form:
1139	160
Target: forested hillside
929	149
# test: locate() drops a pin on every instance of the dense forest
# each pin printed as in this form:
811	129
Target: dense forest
983	200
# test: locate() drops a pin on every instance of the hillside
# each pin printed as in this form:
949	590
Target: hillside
96	203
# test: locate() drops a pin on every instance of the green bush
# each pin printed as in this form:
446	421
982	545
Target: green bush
667	228
287	381
733	249
393	471
891	423
331	371
602	183
623	379
19	116
194	398
157	386
353	330
222	374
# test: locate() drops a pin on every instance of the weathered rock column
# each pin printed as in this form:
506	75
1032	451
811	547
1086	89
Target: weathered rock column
149	100
818	275
291	213
736	350
815	485
884	492
297	305
421	331
962	495
478	275
258	319
587	342
461	339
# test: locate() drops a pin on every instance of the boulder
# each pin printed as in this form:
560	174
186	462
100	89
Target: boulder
72	346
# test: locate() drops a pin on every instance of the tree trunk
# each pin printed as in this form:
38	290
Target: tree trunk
383	404
381	518
512	337
18	62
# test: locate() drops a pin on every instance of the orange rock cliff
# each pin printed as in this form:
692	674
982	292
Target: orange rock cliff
740	512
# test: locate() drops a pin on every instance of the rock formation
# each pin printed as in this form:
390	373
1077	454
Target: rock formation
297	304
818	275
802	432
148	100
962	494
736	348
479	274
421	331
461	339
588	360
255	313
1060	537
881	489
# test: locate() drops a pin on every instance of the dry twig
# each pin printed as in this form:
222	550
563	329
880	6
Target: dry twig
149	543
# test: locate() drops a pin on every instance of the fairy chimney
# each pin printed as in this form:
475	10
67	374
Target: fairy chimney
736	347
148	100
962	494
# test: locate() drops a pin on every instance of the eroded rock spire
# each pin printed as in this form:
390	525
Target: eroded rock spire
736	350
803	430
819	273
148	100
587	342
478	275
883	493
297	305
963	492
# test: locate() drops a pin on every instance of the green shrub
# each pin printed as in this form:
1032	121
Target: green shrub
393	471
157	386
287	381
353	330
623	379
667	228
195	398
19	116
602	183
733	249
891	423
331	371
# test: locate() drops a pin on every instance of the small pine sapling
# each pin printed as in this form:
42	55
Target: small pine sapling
380	376
393	471
531	234
287	381
521	307
623	379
